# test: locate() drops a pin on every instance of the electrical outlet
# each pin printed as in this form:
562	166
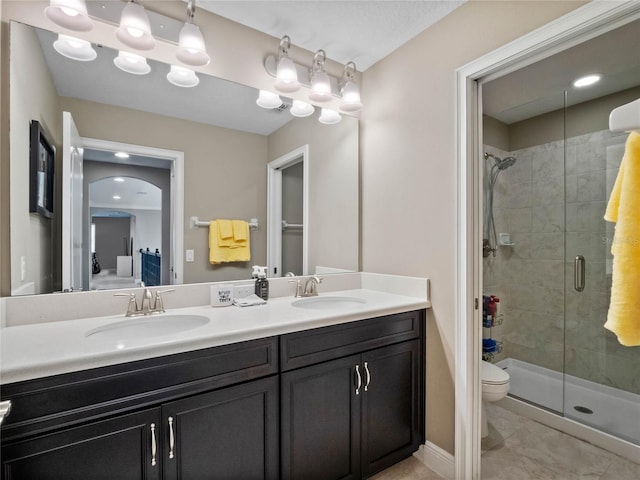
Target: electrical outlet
189	256
241	291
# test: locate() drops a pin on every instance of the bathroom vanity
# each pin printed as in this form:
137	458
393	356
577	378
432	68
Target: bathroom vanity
339	395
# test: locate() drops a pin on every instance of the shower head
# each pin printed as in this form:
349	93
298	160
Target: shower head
500	163
505	163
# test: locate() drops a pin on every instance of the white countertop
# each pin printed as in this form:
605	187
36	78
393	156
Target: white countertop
44	349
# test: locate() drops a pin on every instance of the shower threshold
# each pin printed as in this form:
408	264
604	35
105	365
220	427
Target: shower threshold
610	410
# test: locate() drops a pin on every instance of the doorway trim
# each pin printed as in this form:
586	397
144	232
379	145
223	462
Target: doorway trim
176	225
274	208
578	26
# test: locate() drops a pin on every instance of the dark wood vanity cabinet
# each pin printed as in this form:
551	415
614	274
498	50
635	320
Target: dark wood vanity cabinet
351	417
348	402
113	422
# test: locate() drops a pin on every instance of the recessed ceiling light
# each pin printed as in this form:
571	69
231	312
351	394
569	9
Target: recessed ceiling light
118	179
586	81
116	197
121	155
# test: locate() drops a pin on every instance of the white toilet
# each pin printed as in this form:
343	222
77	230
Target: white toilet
495	386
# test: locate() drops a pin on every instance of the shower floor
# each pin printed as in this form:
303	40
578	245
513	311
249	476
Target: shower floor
608	409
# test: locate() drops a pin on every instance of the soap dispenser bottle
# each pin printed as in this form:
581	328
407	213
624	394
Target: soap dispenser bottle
262	284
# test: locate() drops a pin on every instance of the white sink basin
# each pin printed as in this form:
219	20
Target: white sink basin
144	327
327	302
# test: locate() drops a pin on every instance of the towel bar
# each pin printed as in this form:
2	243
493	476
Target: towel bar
195	222
286	225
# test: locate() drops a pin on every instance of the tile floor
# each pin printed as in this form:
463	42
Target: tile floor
518	448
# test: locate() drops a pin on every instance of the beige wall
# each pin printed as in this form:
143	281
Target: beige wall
33	97
5	251
408	153
495	133
333	194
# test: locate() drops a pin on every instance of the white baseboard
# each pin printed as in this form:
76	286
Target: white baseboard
437	459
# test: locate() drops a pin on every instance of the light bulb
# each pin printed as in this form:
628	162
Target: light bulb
286	76
301	109
182	77
268	100
320	87
74	48
70	14
329	117
132	63
350	98
134	30
191	48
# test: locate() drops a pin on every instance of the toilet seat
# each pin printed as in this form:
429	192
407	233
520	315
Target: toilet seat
491	374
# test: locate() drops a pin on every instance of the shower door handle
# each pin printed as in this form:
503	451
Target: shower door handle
578	273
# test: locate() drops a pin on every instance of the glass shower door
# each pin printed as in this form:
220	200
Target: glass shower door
601	381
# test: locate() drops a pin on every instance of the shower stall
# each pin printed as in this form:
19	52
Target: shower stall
547	182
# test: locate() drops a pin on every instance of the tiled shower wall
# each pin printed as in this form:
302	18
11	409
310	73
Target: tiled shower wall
532	278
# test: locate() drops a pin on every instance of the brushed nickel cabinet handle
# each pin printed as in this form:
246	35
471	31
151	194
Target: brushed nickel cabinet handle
171	438
359	378
154	446
366	369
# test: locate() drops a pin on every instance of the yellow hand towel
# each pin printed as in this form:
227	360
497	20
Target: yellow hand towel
240	230
623	208
234	252
225	229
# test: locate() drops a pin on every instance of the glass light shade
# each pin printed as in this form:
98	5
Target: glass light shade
132	63
329	117
182	77
301	109
191	48
286	76
74	48
350	98
268	100
320	87
71	14
134	30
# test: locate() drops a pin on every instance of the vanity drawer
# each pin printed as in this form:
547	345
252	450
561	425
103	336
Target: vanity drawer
327	343
43	404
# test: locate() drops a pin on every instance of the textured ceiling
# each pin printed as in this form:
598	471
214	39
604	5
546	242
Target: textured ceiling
362	31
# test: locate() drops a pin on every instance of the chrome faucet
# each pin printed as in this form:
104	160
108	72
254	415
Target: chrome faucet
311	286
150	304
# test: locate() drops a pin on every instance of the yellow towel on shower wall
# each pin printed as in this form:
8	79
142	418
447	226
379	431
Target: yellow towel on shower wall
230	250
624	209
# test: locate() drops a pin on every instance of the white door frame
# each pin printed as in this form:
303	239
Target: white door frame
176	226
274	209
585	23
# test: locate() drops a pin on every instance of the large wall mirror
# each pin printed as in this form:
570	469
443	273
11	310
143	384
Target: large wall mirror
212	135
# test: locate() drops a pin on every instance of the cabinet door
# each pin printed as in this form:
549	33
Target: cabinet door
391	405
321	422
119	448
226	434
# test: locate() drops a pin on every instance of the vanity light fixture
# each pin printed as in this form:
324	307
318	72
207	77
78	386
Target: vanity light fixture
132	63
134	30
182	77
329	117
74	48
70	14
320	83
349	90
268	99
286	73
586	80
301	109
191	48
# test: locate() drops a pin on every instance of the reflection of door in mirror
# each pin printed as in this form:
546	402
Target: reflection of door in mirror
287	214
292	223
